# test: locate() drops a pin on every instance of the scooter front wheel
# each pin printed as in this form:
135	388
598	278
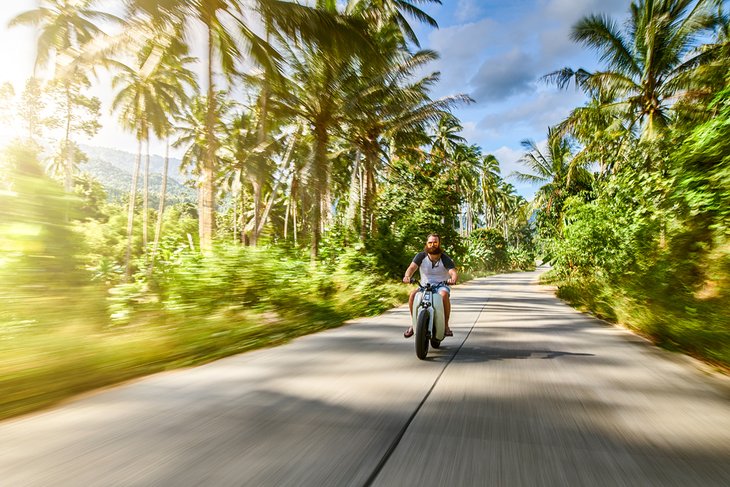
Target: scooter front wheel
422	337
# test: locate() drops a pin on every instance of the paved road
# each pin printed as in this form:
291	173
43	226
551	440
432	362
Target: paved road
527	393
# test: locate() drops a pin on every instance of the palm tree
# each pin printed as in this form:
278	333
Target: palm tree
228	37
384	13
239	148
148	95
192	134
173	62
507	204
709	76
467	159
490	182
649	63
600	128
445	149
554	170
318	83
64	28
445	139
384	101
248	160
322	69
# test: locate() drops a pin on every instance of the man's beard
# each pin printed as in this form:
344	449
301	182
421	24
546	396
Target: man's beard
433	251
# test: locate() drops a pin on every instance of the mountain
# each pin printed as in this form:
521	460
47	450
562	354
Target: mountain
113	168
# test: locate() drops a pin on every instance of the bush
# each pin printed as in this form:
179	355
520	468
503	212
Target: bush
41	272
486	250
521	259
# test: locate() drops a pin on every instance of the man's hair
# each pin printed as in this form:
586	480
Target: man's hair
434	235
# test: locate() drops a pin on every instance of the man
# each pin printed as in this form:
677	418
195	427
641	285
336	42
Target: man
435	266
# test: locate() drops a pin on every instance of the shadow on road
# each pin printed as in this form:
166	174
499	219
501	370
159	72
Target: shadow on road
480	354
470	354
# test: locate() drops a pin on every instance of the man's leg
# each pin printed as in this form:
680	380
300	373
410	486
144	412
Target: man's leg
447	309
409	331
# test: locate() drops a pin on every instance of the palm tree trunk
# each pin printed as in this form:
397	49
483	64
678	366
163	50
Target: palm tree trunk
354	193
369	188
291	208
319	180
68	166
207	184
286	216
256	187
146	192
161	208
294	222
130	212
287	161
235	219
261	134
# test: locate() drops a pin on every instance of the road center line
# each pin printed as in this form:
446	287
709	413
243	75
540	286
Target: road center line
402	432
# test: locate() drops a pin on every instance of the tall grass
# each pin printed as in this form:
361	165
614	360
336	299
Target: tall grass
195	309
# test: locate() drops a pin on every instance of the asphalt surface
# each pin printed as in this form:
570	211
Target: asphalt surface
528	392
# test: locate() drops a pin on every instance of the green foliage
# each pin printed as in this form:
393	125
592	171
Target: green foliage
703	173
63	254
650	249
486	250
414	202
521	259
39	251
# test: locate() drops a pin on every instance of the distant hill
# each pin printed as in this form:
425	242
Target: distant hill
113	168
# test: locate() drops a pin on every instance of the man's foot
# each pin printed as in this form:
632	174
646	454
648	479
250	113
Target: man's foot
408	333
448	333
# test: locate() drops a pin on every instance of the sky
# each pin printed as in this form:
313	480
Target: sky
495	51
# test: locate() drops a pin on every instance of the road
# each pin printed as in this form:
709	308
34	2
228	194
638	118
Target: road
529	392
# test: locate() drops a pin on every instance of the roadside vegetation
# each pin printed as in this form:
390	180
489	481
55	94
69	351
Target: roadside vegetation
634	213
319	174
318	178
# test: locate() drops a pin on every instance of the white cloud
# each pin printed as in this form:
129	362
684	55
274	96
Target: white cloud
503	76
533	114
461	49
467	10
556	46
464	41
572	10
476	135
508	158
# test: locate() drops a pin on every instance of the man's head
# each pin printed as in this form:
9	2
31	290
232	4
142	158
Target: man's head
433	244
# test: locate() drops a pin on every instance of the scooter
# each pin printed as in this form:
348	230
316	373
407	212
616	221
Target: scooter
428	319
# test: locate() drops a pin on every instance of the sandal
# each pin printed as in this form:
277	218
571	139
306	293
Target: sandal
449	333
408	333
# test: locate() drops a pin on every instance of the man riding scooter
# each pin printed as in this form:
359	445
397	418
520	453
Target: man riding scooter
435	267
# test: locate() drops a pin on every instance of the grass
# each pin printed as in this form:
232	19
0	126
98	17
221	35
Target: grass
42	365
69	343
676	322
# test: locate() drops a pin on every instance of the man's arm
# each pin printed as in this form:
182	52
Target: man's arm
449	264
409	272
452	276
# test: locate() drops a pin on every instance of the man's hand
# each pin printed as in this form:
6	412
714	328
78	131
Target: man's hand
452	277
406	279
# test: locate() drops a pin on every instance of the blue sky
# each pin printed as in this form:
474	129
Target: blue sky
496	52
493	50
